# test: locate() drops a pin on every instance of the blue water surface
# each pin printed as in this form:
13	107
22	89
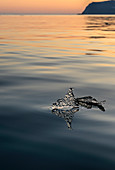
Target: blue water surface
41	57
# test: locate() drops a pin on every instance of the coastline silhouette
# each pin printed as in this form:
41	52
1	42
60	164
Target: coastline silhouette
104	7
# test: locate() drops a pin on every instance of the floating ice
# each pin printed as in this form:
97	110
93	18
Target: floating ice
66	107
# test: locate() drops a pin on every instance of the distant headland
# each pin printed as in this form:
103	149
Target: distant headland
104	7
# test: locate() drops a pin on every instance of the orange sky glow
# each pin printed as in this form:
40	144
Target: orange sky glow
43	6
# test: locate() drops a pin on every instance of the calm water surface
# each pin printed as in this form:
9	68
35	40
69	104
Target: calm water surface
40	58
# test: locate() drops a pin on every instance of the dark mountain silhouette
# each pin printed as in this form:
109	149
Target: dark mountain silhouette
105	7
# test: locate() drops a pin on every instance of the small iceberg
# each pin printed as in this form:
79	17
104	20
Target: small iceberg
66	107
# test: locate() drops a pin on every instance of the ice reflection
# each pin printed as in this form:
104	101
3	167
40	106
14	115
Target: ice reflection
66	107
67	115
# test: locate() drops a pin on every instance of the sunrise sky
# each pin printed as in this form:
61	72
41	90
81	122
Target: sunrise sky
43	6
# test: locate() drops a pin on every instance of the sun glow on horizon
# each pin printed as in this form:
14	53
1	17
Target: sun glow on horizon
43	6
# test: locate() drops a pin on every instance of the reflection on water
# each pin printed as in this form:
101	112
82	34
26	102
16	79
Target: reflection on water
67	115
66	107
103	23
41	56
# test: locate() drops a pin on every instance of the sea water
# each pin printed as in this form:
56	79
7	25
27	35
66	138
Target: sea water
41	57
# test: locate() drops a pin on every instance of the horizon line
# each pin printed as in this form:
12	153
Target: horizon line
40	13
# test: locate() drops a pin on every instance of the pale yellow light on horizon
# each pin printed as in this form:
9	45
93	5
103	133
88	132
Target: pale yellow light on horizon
43	6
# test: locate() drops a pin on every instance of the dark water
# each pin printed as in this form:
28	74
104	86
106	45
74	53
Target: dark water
40	58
